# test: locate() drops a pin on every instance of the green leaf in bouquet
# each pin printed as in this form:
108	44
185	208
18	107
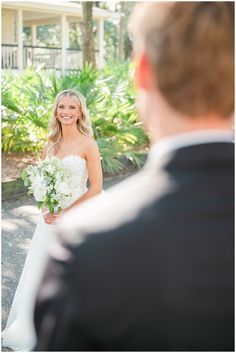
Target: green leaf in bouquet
40	204
51	208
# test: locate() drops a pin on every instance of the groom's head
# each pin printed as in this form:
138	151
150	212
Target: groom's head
184	53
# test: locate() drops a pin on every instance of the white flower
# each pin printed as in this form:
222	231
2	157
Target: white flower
63	188
39	193
50	169
50	182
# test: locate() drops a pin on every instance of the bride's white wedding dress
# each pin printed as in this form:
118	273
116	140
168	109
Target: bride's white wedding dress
19	333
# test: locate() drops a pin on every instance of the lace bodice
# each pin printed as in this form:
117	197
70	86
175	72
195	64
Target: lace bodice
78	166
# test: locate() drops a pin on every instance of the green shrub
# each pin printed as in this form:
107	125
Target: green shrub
110	96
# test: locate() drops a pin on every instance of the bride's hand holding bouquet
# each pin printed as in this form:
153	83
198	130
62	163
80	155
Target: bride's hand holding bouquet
52	186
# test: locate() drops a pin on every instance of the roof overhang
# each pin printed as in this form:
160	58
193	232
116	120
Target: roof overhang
58	8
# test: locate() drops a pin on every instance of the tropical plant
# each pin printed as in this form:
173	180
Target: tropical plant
110	96
25	112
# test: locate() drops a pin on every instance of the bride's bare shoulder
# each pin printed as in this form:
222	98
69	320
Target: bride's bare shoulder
89	146
89	142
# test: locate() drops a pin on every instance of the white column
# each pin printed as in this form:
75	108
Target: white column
34	35
67	34
101	43
63	42
20	38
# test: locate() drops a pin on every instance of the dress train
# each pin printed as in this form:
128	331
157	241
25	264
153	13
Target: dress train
19	333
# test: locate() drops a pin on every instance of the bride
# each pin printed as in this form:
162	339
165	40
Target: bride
71	141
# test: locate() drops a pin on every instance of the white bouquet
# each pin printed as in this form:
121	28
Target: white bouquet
51	183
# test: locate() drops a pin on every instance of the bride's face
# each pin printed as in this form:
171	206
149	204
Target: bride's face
68	111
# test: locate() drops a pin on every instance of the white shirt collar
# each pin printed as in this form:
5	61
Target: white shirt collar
175	142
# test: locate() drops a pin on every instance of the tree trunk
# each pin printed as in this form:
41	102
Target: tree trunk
122	31
87	34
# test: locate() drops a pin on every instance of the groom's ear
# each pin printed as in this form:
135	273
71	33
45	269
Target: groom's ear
144	77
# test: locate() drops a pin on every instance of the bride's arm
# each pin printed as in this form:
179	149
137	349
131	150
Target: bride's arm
92	157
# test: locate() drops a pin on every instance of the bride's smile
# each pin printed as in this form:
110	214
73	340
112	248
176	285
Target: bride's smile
68	111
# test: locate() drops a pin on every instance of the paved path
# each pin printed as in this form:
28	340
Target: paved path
19	218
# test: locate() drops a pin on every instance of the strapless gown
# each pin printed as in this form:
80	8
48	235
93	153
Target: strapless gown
19	333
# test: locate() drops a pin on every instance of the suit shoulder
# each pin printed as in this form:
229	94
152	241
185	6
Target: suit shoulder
119	205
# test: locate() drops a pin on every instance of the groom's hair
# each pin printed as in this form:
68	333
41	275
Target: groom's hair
190	46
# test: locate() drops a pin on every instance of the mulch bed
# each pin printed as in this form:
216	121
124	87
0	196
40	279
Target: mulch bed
14	163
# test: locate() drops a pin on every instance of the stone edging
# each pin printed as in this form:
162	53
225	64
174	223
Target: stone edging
12	188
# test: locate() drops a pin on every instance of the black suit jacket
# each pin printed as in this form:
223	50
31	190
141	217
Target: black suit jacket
150	267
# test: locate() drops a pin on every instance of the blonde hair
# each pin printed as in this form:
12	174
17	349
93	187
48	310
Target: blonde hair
83	123
190	46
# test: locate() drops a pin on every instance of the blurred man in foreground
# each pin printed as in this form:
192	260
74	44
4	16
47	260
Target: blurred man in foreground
151	266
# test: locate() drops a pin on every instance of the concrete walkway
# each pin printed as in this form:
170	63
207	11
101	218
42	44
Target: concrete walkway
19	218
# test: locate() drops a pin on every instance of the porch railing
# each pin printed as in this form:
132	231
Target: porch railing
48	57
9	56
74	59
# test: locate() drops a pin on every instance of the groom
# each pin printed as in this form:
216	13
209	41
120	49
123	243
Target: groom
150	267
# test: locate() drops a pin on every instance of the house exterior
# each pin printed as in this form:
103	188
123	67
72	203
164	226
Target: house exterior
19	14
